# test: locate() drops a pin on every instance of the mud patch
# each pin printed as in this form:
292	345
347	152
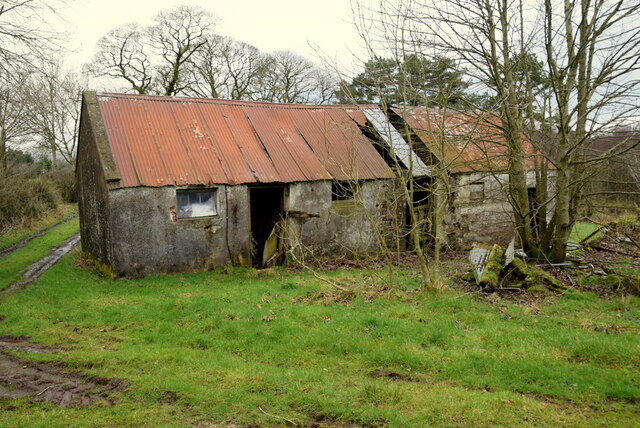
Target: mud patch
21	343
392	375
168	397
52	382
320	420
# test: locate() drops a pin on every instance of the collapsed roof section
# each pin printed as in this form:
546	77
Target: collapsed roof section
398	145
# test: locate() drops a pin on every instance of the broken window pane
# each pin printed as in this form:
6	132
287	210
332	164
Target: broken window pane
196	203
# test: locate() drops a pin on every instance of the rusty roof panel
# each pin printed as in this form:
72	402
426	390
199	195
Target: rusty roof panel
244	136
158	141
334	158
199	145
358	159
464	142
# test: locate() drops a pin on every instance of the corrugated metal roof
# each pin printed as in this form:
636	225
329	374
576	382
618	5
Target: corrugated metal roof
397	144
160	141
464	142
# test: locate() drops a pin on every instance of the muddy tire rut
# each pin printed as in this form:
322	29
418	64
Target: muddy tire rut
5	251
48	381
33	272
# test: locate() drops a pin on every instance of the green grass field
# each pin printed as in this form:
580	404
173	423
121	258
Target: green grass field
582	230
241	347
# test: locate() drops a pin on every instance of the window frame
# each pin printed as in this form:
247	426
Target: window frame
191	192
344	191
477	195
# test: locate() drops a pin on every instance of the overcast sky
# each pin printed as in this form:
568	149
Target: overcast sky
267	24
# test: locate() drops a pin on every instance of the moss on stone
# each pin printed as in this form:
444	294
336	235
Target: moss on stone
493	268
533	276
469	276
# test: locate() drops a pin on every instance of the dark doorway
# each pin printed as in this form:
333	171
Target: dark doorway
266	211
422	205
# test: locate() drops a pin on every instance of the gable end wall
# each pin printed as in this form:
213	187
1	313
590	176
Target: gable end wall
93	195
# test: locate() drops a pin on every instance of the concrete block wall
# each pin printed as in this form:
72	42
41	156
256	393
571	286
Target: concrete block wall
488	219
146	237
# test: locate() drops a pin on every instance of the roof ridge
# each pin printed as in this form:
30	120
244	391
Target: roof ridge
181	99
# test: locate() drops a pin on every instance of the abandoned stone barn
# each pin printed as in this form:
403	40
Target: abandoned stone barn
472	150
179	184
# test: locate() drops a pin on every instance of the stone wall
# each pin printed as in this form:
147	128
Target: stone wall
320	227
136	231
487	217
146	236
91	178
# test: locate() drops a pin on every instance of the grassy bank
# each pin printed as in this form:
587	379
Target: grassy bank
241	347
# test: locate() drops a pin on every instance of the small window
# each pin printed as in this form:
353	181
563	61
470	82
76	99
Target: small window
476	191
196	203
342	190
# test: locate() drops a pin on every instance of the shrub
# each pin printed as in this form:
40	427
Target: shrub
65	181
23	201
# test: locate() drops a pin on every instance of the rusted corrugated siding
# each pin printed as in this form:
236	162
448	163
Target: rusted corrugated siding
159	141
463	142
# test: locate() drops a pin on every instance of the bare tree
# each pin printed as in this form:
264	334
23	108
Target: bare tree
25	36
210	77
290	78
227	68
53	99
176	36
13	125
123	54
593	52
156	59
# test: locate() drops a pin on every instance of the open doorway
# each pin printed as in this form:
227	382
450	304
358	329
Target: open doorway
266	211
422	205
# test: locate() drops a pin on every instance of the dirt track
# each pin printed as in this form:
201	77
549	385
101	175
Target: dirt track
52	382
11	248
34	271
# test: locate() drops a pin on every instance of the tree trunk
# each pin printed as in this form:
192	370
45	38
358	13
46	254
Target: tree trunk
4	171
54	153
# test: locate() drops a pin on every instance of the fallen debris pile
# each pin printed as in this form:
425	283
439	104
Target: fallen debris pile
606	262
498	268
